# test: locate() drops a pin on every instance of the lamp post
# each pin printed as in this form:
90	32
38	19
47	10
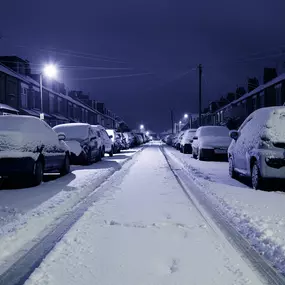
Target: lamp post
50	71
186	116
141	127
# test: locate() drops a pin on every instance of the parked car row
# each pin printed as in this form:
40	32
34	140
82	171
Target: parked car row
204	143
256	150
29	147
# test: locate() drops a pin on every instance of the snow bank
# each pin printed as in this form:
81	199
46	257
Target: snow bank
28	212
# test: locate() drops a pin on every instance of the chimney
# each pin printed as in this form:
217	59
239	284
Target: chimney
269	74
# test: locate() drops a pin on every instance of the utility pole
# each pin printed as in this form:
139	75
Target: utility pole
172	120
200	94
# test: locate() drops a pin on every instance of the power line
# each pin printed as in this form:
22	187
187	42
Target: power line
111	77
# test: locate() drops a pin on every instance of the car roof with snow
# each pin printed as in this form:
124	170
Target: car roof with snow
18	122
269	123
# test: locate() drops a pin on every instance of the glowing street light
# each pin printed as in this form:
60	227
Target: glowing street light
50	71
141	127
185	116
147	133
180	122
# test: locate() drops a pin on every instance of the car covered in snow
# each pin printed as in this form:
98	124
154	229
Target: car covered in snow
83	142
104	140
258	146
29	148
187	140
116	141
178	140
210	142
130	139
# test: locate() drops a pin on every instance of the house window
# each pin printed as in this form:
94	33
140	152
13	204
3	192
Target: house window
59	105
24	97
278	95
51	103
261	100
70	110
254	103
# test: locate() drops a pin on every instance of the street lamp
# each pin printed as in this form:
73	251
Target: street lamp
147	133
50	71
185	116
141	127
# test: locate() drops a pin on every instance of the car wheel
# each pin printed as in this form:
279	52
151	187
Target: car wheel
256	178
200	156
194	155
233	174
111	153
66	166
103	152
89	159
37	176
99	155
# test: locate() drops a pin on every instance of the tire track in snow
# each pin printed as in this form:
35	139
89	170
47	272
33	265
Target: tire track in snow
256	261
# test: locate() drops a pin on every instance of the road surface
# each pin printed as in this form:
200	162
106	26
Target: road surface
143	229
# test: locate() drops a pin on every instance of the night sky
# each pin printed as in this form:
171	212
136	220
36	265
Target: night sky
162	39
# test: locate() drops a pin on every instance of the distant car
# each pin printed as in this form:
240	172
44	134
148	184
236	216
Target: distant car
187	140
210	142
29	147
258	147
116	142
123	141
139	139
105	141
83	142
179	139
169	139
130	139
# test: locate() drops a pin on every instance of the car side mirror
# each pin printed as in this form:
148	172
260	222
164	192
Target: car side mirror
61	136
195	138
234	134
110	137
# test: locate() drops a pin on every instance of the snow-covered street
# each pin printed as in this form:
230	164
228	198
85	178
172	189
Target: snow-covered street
144	230
151	215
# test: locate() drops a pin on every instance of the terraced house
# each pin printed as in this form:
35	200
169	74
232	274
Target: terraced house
233	113
20	94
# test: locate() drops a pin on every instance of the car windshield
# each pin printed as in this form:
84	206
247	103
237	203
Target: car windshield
214	131
75	132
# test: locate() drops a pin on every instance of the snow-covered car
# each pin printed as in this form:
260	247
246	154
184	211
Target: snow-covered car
258	146
116	142
83	142
122	140
105	141
169	139
130	139
139	139
186	142
178	140
29	147
210	142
